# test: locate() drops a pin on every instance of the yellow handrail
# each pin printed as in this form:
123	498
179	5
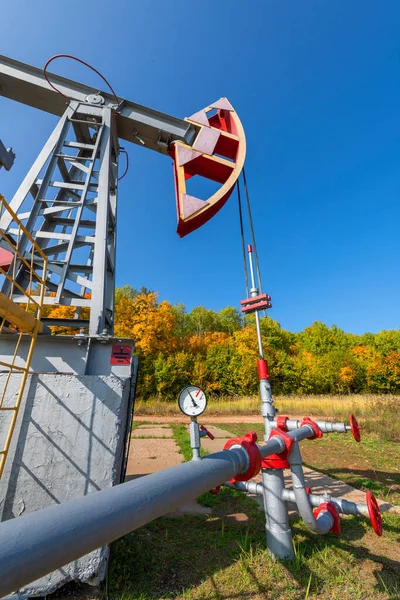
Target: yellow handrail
21	319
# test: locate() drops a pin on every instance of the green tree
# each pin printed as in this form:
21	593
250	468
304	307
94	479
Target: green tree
230	319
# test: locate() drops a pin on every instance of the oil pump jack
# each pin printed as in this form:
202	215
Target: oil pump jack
77	407
61	224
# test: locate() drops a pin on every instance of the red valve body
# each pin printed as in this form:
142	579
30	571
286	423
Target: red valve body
317	432
331	508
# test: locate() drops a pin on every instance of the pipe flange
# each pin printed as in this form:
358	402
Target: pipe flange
331	508
279	461
317	431
374	513
248	442
281	423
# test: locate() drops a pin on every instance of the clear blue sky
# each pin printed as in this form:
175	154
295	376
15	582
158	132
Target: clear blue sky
316	85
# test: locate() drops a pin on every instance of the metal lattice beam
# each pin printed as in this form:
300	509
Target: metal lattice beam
68	205
27	84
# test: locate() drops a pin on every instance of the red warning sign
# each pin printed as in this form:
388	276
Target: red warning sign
120	355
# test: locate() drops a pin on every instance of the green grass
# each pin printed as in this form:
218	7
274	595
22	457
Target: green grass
182	438
197	558
378	413
213	557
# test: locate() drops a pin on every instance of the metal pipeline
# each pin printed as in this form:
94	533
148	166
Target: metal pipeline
325	426
324	523
346	507
37	543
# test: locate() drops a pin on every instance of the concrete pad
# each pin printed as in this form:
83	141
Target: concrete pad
154	432
146	457
191	508
214	445
219	433
153	425
241	518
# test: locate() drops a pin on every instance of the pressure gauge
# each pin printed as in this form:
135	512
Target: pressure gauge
192	401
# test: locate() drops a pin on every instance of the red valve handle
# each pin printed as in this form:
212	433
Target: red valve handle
355	428
374	513
210	435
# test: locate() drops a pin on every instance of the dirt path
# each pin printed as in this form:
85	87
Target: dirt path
179	418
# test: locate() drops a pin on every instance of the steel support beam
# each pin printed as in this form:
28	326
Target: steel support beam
135	123
69	181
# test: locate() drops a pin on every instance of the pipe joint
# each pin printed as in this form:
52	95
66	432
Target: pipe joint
279	460
247	444
317	433
329	507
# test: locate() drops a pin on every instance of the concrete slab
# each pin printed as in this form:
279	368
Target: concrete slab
240	518
153	432
154	425
191	508
219	433
214	445
147	456
69	441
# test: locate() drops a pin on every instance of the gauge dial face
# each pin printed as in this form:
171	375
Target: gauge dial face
192	401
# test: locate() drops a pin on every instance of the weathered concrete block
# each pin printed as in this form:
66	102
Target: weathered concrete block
69	442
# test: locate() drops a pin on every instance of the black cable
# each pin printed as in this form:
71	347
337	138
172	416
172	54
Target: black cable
127	163
253	239
246	276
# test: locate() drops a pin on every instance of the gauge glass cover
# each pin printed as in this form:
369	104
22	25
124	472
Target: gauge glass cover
192	401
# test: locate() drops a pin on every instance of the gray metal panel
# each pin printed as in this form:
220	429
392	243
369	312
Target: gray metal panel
7	157
26	84
69	443
67	354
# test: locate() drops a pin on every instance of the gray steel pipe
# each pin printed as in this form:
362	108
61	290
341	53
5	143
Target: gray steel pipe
36	544
346	507
323	524
325	426
277	528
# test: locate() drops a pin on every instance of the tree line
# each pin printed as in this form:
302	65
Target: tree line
218	351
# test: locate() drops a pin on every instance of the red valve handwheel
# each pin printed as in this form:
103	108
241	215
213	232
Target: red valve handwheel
355	428
210	435
374	513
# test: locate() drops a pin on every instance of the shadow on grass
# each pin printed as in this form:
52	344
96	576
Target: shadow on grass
202	557
386	485
384	572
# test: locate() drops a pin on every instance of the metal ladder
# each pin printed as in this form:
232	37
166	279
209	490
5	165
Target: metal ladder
72	219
